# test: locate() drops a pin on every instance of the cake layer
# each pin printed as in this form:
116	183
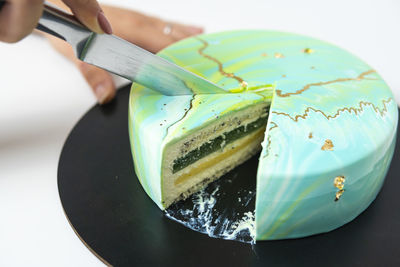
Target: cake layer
218	142
211	151
210	168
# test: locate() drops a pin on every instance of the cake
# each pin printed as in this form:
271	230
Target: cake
324	120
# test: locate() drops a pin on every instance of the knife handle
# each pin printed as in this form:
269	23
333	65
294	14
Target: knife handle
62	25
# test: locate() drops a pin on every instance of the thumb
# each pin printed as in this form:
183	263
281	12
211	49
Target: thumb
99	80
90	14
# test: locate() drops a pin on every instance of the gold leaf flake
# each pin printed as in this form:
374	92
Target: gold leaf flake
338	182
308	50
328	145
339	194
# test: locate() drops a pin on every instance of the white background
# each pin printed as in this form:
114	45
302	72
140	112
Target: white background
42	96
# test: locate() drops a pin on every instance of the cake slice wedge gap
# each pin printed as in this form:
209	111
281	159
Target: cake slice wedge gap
192	162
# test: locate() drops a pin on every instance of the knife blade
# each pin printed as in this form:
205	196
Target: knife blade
136	64
122	58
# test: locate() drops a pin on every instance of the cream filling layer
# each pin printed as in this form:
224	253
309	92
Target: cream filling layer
219	157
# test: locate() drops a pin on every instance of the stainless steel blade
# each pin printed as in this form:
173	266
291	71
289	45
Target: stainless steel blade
123	58
136	64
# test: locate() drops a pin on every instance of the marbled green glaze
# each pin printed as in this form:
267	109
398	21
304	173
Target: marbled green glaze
326	94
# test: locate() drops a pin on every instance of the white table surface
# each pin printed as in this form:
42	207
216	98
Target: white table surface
43	96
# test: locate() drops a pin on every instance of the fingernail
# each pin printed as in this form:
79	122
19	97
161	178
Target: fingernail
101	93
194	29
103	22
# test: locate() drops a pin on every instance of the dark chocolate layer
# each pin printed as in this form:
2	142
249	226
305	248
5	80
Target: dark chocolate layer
217	143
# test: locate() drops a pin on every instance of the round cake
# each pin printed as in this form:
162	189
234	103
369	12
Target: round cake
324	120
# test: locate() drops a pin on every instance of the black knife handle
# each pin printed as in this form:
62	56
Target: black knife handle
2	4
63	25
53	19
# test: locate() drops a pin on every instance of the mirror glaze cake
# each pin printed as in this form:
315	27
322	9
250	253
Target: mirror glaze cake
325	123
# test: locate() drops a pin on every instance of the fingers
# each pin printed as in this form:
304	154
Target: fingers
162	34
90	14
145	31
99	80
18	18
180	31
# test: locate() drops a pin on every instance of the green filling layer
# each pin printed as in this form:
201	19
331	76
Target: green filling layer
217	143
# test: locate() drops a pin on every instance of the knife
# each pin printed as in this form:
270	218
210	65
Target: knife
123	58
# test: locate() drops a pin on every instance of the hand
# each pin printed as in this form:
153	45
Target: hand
19	17
144	31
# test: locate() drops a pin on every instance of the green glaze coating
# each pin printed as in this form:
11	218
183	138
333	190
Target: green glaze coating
331	116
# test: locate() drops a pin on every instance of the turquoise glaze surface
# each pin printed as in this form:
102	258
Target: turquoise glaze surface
331	117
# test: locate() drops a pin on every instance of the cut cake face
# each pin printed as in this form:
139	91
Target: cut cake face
329	132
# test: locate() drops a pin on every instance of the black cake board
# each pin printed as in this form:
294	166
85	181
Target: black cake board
109	211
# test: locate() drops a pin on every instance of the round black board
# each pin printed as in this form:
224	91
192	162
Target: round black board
112	215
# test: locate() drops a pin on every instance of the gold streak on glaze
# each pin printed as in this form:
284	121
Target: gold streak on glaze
308	86
274	126
219	63
244	84
356	110
186	112
339	184
269	138
339	194
328	145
